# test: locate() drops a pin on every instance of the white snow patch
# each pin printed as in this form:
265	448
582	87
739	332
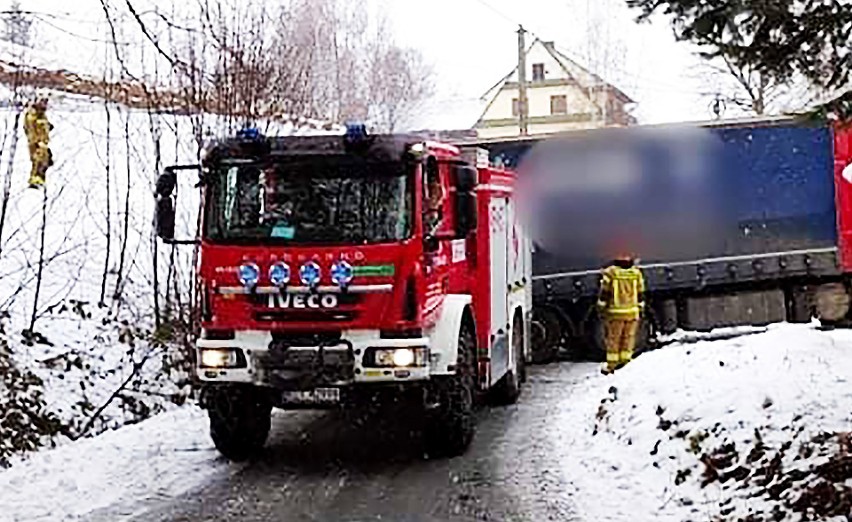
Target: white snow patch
790	378
786	379
163	457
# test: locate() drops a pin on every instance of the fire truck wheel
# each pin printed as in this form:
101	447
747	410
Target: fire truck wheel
239	422
508	390
450	424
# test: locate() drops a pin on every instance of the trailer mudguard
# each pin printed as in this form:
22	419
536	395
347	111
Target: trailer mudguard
444	336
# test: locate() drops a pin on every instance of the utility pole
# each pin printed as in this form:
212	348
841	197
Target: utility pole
523	114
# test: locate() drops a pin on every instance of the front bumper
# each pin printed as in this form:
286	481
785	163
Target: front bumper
294	365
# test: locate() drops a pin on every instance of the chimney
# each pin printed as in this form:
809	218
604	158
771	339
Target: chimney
549	46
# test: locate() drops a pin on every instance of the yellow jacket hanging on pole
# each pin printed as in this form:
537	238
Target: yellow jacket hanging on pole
37	128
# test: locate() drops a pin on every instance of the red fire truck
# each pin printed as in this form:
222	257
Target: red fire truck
333	268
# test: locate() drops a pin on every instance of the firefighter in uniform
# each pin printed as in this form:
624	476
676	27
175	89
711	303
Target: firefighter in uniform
620	305
37	128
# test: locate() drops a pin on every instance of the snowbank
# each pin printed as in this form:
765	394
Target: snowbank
161	457
655	441
635	453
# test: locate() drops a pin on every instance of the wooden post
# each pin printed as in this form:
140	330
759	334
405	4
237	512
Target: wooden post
523	113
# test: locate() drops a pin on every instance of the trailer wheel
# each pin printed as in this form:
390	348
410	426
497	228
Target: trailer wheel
646	335
450	424
831	303
239	421
546	335
594	345
799	305
508	390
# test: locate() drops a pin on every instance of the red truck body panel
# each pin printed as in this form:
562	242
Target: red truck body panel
843	184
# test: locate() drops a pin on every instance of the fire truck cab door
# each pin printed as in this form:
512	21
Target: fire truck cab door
437	262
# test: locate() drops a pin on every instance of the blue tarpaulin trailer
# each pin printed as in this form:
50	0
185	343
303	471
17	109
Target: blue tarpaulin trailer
734	222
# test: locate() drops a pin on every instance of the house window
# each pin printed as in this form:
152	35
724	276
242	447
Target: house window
538	72
516	107
558	104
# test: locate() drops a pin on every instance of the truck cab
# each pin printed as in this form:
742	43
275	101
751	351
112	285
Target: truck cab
331	268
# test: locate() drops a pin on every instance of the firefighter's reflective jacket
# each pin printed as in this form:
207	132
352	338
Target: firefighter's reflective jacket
621	291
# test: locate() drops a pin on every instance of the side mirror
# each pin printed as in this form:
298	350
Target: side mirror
166	184
164	219
466	178
465	213
164	213
431	244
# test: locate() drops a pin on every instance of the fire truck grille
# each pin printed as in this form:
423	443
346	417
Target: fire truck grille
305	316
304	338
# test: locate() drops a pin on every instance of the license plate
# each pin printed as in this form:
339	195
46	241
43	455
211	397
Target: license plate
317	396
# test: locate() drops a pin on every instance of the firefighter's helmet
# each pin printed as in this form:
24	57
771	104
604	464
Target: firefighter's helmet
624	259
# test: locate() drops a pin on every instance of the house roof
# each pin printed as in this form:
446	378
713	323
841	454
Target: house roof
576	72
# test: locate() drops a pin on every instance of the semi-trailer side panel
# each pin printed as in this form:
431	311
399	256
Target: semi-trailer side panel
740	223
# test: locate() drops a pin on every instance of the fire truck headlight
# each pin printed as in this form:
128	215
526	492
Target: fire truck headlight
342	273
401	357
279	273
249	274
219	358
310	273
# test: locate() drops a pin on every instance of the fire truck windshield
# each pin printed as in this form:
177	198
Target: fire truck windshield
309	203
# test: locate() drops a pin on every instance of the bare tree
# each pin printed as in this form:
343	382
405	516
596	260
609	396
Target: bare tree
41	262
125	218
400	78
16	29
17	25
747	89
107	176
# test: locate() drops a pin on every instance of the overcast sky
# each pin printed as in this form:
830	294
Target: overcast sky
472	44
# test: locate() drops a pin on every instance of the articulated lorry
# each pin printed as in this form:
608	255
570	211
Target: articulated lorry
735	223
336	269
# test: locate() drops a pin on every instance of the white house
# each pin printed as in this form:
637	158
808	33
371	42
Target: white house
561	96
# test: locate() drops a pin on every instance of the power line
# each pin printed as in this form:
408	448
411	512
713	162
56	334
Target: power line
496	11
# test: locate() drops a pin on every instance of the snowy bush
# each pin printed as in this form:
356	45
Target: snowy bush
26	422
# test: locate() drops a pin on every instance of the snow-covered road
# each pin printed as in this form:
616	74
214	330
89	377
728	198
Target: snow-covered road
579	446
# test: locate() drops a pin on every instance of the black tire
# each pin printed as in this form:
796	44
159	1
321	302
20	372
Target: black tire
239	422
594	348
450	423
646	337
799	307
508	390
547	333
